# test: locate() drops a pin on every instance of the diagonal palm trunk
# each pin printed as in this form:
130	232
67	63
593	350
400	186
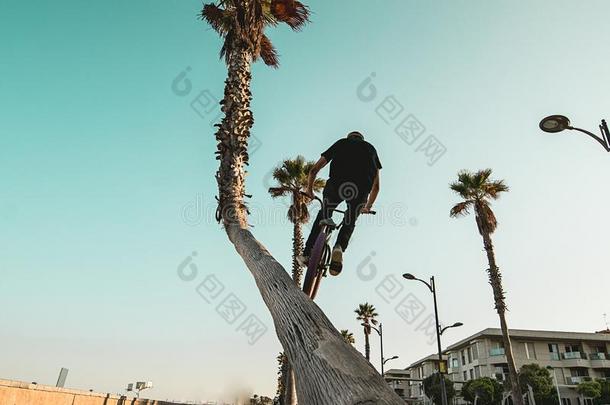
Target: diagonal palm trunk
329	370
495	280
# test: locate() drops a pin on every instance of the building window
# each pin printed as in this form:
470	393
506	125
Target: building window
475	351
554	351
465	376
469	355
463	358
580	372
530	350
477	372
455	363
471	374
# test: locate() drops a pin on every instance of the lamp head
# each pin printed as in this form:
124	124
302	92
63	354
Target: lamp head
409	276
554	123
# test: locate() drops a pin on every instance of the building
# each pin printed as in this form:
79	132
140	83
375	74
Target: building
574	357
399	381
419	371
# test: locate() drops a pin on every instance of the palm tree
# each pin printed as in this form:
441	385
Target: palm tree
348	336
477	190
291	177
366	314
324	364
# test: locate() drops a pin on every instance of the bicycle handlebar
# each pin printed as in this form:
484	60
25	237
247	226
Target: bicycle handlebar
315	197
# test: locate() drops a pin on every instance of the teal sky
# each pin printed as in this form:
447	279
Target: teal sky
101	163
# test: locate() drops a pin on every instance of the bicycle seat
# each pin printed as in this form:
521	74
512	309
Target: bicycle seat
329	223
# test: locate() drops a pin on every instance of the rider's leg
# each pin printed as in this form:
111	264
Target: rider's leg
351	216
349	222
330	200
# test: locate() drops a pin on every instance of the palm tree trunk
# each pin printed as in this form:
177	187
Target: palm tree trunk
329	370
495	280
290	390
297	249
367	347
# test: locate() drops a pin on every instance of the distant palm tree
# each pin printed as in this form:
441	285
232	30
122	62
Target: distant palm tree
291	177
477	190
348	336
366	314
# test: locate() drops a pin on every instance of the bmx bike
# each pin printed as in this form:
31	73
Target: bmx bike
320	257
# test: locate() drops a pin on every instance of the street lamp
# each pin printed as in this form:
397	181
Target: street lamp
380	333
557	123
439	331
391	358
556	383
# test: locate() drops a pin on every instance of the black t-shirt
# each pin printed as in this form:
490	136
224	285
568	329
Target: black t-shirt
353	160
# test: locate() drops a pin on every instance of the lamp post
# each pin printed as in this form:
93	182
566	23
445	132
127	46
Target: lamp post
556	383
439	331
557	123
380	333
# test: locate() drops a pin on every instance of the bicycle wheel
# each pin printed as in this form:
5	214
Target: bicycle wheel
318	279
314	264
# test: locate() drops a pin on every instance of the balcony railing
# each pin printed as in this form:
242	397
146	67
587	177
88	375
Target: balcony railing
598	356
498	351
573	355
577	380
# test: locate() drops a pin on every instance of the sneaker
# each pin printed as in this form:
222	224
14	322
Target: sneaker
336	261
303	260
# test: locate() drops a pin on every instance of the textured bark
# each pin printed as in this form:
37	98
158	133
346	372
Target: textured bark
495	280
297	249
290	389
328	370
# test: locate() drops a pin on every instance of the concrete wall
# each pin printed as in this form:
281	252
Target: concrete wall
21	393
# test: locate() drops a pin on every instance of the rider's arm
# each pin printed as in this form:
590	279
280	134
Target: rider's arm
313	174
373	194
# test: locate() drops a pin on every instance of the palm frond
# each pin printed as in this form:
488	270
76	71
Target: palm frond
477	189
268	53
291	12
215	16
461	209
279	191
462	189
493	189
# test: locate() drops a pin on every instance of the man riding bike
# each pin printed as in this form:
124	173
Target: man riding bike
354	178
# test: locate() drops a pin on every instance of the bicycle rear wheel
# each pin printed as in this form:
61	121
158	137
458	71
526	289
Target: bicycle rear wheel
323	262
314	264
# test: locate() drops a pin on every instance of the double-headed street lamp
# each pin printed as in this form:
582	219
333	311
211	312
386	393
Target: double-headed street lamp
557	123
439	331
380	333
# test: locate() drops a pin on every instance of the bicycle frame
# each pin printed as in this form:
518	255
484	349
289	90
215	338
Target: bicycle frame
320	260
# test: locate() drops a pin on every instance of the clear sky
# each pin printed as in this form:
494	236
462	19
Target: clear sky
103	161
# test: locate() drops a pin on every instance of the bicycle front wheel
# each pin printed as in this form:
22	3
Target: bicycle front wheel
314	265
